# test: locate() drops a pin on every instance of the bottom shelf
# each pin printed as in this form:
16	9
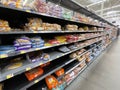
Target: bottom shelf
77	75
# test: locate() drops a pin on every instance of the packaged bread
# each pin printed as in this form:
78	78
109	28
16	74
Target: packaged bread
73	55
34	73
86	28
60	72
34	24
51	82
81	29
81	58
4	26
71	27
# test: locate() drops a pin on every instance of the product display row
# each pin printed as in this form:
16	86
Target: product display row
25	44
34	59
36	24
51	9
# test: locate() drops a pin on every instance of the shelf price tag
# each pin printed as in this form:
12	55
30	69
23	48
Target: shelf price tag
22	52
37	49
3	56
40	63
35	32
63	54
57	56
28	11
9	76
36	81
28	68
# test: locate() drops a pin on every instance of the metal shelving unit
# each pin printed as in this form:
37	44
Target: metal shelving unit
77	75
48	32
26	84
28	66
86	66
37	49
17	75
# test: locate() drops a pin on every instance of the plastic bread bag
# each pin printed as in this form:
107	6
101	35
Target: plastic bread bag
8	49
55	10
4	2
34	73
64	49
25	47
13	3
22	41
14	64
34	56
51	82
34	24
45	57
29	5
67	14
41	6
37	40
60	72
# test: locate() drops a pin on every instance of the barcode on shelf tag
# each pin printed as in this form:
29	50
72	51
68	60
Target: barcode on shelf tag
28	11
9	76
36	81
22	52
28	68
3	56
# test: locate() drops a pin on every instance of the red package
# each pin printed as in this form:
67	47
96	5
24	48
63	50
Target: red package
32	74
54	42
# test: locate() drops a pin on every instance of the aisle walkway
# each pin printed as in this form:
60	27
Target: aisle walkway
103	74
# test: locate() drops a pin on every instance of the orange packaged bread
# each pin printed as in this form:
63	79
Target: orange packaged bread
60	72
51	82
32	74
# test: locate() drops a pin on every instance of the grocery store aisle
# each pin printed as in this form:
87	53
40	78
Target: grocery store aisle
103	74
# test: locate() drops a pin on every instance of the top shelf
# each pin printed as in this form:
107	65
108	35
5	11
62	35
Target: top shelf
4	10
73	5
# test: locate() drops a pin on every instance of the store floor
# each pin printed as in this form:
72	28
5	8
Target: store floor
103	74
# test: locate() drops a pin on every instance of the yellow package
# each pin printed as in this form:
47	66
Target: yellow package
61	39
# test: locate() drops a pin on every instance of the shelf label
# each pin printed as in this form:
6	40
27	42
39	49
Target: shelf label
3	56
28	11
9	76
29	68
37	49
36	81
57	56
63	54
22	52
40	63
35	32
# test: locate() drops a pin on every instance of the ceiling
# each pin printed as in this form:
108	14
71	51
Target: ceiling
106	8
